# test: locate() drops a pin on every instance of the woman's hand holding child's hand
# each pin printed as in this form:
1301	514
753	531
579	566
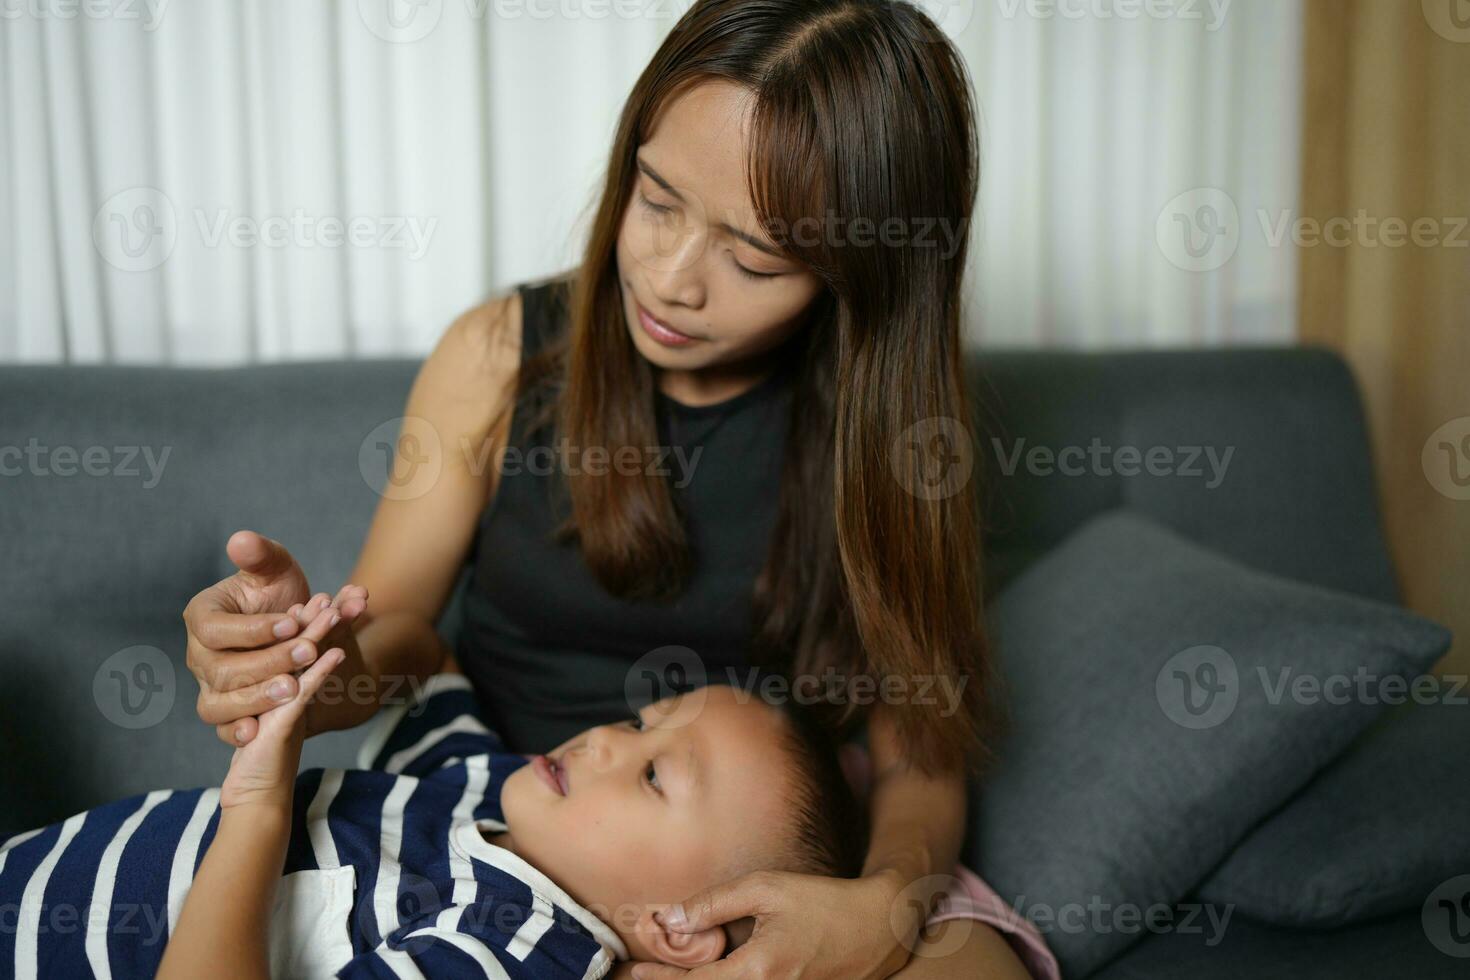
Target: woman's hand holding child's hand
349	603
263	772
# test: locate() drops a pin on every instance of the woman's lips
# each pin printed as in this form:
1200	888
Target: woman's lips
553	775
660	332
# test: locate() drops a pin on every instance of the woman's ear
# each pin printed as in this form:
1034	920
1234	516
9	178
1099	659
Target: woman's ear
684	950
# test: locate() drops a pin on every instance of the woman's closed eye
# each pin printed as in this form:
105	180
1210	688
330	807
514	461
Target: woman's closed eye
665	209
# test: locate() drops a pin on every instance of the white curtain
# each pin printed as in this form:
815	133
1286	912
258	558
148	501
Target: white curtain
228	181
1113	127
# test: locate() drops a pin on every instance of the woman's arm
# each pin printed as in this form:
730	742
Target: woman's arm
918	828
918	820
389	655
222	928
445	468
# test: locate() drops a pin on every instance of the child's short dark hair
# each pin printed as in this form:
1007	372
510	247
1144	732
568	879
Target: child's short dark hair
831	824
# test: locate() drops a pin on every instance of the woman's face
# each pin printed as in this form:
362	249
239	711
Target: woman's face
690	253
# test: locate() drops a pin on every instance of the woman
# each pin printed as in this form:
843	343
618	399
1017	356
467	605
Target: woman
771	292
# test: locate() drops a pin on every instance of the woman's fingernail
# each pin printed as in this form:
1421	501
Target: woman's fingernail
282	629
301	654
279	691
336	618
673	916
639	973
239	734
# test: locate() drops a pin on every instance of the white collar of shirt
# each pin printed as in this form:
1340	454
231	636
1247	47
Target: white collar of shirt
471	842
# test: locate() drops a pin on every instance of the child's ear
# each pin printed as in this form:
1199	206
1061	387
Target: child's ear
684	950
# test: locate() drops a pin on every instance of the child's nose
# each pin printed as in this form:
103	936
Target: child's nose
601	747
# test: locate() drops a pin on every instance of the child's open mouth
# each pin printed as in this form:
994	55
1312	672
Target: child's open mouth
552	774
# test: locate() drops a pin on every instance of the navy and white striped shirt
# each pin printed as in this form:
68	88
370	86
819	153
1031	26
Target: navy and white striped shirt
387	873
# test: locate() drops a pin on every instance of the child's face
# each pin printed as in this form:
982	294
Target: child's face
654	809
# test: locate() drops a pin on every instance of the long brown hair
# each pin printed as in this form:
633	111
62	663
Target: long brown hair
861	109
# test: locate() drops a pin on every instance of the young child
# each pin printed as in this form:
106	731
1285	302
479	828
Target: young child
444	855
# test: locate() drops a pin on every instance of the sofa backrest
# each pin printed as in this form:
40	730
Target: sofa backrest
119	487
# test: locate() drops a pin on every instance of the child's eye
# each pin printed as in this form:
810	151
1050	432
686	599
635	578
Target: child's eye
651	774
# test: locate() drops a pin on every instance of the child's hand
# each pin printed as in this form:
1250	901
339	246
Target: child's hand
350	603
264	771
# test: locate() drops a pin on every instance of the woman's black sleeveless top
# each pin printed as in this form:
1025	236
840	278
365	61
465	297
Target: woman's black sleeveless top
546	647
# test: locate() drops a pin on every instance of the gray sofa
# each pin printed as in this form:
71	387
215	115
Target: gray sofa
106	538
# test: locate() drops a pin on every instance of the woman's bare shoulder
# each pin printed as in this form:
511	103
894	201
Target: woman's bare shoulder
472	368
486	337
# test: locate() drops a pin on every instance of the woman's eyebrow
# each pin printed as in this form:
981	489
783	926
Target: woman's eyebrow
744	236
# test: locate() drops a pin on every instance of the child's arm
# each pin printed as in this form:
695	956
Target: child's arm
222	927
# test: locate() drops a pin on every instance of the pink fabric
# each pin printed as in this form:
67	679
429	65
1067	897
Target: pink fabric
969	897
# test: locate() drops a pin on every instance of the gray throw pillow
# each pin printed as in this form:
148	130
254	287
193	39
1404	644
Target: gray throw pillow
1377	832
1160	702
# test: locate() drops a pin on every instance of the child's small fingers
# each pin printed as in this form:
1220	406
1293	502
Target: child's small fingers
308	682
321	624
239	732
314	676
308	611
352	607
